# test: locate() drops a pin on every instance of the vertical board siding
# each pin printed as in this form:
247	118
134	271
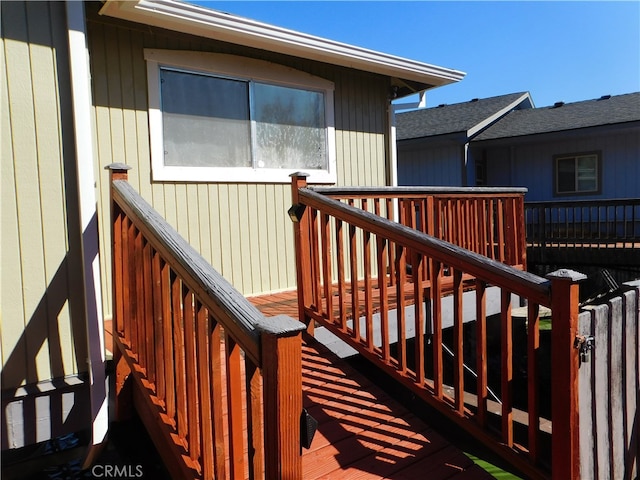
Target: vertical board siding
530	164
40	275
609	386
243	230
431	167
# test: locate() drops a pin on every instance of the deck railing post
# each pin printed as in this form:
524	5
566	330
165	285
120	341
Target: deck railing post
565	443
282	396
299	215
123	394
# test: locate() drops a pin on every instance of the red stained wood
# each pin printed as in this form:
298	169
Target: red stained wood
533	384
481	352
507	368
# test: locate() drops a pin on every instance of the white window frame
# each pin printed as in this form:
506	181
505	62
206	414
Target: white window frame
246	69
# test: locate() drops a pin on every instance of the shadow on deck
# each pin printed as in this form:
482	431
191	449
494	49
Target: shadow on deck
364	432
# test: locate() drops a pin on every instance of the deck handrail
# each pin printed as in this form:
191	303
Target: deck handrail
394	192
346	274
181	332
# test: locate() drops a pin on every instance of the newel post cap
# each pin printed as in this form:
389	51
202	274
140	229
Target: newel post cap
567	275
118	167
299	175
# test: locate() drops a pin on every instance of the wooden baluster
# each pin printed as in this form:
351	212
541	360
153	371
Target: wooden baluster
203	332
401	270
533	383
458	368
191	362
506	367
234	407
501	229
149	317
342	287
384	301
436	305
138	300
353	261
255	414
179	352
481	352
417	262
327	278
368	293
565	441
217	395
521	233
391	249
167	338
158	326
315	261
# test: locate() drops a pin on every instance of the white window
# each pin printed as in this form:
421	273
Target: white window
221	118
577	174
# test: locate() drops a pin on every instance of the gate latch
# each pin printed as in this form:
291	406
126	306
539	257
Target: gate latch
584	343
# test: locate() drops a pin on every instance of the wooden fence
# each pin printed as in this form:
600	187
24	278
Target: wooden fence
609	381
411	267
185	343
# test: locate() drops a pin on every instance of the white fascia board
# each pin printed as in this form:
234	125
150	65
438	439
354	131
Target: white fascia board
476	129
204	22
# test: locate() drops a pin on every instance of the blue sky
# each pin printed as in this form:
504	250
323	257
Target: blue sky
558	51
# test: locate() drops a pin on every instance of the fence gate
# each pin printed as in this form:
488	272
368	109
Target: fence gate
609	387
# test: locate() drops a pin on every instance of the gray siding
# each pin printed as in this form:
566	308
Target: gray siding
433	166
531	164
242	229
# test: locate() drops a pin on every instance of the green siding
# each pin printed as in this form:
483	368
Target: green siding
42	325
242	229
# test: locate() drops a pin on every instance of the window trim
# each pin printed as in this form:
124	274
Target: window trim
598	190
242	68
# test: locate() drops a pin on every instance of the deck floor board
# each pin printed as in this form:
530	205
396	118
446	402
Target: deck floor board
363	433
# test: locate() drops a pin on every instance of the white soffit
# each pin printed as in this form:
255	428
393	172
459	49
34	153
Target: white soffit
204	22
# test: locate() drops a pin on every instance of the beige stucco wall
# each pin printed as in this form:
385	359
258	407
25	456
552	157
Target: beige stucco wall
242	229
42	333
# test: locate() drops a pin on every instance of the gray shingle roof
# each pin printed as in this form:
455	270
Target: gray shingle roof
459	117
589	113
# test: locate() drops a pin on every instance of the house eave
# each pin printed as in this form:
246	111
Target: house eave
204	22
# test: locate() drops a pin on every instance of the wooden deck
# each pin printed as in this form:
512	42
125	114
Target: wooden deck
363	433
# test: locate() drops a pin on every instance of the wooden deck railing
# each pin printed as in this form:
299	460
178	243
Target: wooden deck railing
353	263
186	341
576	223
484	220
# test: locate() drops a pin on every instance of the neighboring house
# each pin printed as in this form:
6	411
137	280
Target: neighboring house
212	112
433	143
585	150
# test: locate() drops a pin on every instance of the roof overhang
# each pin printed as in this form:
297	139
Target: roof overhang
409	75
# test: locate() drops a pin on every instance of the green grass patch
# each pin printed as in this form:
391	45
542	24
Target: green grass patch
492	469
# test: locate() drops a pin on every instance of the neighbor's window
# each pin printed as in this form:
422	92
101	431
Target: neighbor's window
220	118
577	173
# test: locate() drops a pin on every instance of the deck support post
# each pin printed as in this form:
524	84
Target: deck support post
123	391
300	217
282	392
565	461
